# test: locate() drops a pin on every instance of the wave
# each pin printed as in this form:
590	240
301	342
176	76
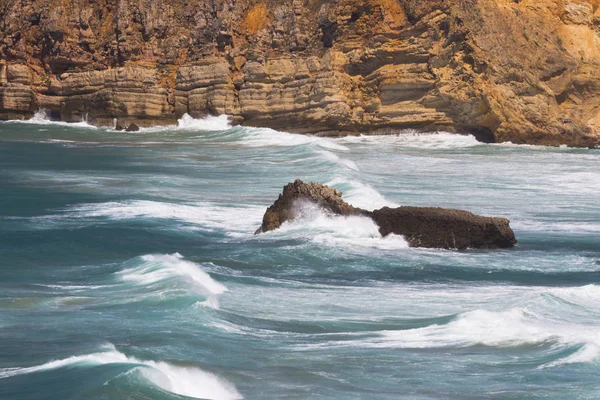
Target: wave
235	221
360	194
409	138
560	322
560	148
324	228
582	227
208	123
249	136
334	158
514	327
153	269
185	381
41	118
265	137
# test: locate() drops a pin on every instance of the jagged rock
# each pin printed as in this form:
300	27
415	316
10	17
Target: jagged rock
132	128
420	226
524	71
282	210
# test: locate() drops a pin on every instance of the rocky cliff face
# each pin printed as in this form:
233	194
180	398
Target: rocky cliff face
518	70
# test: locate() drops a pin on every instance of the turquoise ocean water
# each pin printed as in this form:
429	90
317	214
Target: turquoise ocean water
129	268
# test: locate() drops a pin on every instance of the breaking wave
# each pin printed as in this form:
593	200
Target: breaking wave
41	118
186	381
437	140
533	324
208	123
360	194
153	270
324	228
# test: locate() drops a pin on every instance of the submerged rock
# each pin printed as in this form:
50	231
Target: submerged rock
421	226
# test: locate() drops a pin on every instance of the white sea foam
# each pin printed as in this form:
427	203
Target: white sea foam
589	352
157	268
409	138
235	220
41	118
185	381
208	123
74	287
555	226
587	297
324	228
562	147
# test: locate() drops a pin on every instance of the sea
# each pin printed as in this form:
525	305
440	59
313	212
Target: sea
129	267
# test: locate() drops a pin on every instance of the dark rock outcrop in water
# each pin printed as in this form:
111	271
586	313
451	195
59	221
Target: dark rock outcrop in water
444	228
283	209
132	128
420	226
524	71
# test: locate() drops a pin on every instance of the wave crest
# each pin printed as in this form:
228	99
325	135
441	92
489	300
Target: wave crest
413	139
156	269
185	381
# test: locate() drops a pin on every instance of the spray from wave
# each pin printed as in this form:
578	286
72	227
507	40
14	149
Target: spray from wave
208	123
325	228
41	118
185	381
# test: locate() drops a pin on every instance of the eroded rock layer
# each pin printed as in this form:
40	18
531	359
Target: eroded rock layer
421	226
524	71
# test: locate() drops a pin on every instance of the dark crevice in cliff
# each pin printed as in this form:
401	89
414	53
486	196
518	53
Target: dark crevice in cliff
484	135
329	32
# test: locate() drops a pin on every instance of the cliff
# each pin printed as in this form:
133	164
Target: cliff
518	70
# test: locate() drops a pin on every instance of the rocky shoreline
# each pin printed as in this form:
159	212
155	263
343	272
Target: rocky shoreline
431	227
517	71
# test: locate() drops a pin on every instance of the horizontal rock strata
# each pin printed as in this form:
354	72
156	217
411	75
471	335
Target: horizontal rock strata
420	226
524	71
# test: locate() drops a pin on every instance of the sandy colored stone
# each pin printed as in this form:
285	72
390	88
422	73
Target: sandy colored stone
522	71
